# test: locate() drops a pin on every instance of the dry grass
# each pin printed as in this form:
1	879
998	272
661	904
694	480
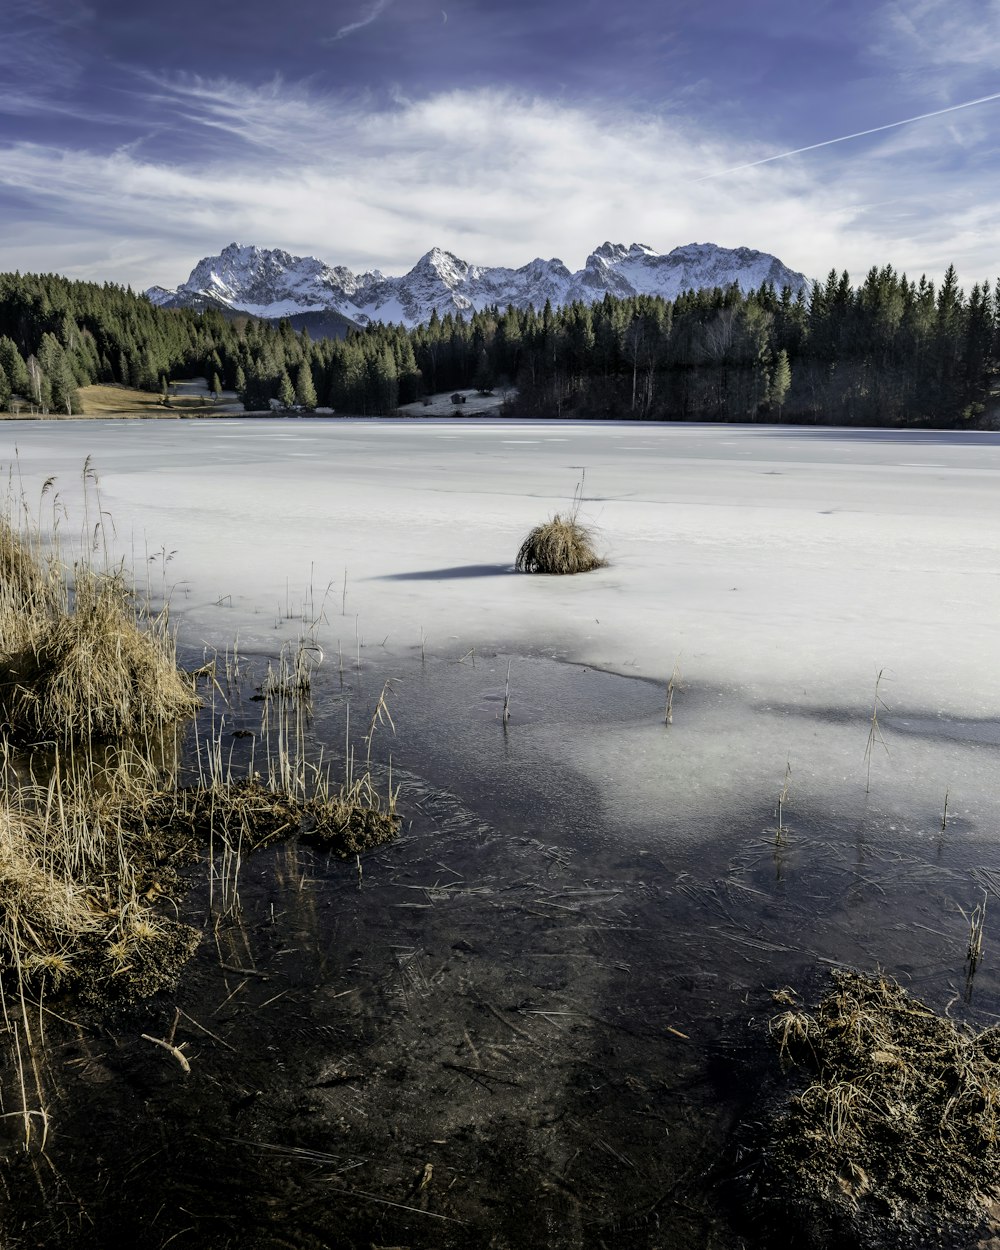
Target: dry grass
45	913
123	401
559	546
899	1108
93	674
80	868
250	814
27	579
95	826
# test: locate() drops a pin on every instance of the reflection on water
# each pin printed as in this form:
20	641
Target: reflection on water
529	1022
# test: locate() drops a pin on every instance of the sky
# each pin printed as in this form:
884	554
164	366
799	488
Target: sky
137	138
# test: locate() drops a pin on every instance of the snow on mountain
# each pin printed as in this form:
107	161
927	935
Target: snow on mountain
272	283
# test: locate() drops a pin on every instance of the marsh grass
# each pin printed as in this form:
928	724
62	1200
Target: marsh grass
81	657
102	811
976	921
898	1106
97	818
28	581
560	546
94	673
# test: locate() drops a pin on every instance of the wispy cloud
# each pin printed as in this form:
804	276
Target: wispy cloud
930	37
273	116
373	11
39	60
496	176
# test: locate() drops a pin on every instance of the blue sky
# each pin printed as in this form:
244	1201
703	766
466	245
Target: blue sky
136	138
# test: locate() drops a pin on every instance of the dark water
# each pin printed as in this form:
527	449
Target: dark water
528	1023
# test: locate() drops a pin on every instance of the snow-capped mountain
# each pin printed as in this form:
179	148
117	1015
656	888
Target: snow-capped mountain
272	283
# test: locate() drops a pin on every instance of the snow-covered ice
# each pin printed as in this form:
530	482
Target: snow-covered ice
781	569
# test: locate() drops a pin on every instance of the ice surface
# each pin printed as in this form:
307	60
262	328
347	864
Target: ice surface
780	568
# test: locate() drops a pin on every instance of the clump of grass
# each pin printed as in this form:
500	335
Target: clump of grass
248	813
81	864
94	674
900	1110
293	676
44	911
26	579
29	588
561	546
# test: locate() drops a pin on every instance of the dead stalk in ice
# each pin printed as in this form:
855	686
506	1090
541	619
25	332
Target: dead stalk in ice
782	800
675	676
380	716
875	732
506	696
176	1051
975	921
944	815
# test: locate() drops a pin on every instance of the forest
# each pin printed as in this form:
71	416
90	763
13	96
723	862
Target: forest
889	352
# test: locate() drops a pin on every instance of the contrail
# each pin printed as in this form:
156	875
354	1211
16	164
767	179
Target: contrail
858	134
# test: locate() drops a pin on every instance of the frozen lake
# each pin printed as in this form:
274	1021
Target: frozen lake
780	569
613	867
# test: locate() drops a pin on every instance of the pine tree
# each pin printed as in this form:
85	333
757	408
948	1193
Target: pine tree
12	363
305	391
781	380
286	392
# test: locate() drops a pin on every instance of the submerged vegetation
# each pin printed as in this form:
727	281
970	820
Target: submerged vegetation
898	1114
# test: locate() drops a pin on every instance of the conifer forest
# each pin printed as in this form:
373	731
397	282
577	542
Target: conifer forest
888	352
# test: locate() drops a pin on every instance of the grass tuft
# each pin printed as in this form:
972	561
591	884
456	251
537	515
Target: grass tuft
93	674
560	546
899	1110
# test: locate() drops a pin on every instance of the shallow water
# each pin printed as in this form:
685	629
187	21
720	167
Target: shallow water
530	1021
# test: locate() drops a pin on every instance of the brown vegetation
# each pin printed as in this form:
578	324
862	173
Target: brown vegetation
899	1112
95	825
560	546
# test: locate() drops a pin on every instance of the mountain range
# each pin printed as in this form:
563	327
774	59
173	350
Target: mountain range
270	283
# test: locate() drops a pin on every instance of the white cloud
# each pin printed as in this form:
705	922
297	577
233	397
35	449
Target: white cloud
933	35
498	178
373	11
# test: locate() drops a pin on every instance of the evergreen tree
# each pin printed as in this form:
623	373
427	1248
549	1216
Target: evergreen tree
13	365
286	392
781	380
305	390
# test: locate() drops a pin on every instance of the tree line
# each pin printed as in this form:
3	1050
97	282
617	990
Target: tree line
890	351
